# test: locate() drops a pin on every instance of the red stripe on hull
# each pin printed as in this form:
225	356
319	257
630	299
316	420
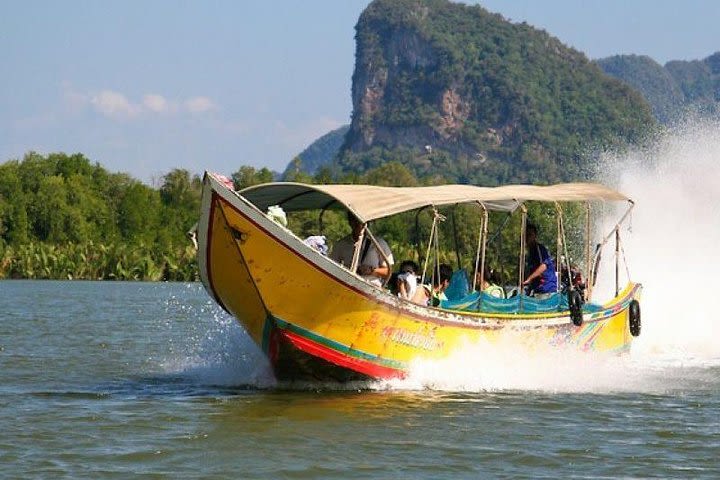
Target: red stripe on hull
333	356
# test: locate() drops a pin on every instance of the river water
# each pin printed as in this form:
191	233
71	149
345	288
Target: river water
118	380
109	380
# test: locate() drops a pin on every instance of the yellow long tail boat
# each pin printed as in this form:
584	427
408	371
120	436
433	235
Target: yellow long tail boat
318	320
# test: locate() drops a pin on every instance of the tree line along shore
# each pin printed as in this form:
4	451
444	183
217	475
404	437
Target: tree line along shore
64	217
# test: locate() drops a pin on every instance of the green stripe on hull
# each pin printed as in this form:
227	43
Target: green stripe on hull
339	347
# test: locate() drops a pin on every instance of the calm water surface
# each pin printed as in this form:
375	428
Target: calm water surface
113	380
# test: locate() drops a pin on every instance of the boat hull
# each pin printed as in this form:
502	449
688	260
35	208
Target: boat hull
315	320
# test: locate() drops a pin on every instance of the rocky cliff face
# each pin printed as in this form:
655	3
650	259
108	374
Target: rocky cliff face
453	89
383	61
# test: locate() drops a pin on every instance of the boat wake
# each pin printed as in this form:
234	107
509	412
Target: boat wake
671	248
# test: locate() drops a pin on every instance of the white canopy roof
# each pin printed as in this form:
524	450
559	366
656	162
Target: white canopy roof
369	202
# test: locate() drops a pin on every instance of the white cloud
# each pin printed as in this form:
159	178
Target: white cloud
114	104
199	105
157	103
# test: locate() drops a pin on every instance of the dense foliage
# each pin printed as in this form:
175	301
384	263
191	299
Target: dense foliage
63	217
673	89
454	90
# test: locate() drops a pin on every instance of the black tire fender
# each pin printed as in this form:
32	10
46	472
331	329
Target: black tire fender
634	321
575	302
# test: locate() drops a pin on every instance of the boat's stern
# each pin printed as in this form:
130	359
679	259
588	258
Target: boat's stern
612	327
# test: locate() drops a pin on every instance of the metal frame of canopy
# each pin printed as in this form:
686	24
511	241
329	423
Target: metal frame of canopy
370	202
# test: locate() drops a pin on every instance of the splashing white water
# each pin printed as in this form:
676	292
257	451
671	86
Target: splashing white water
213	349
674	242
510	365
671	249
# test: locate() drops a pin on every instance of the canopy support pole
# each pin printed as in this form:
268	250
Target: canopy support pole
455	238
614	231
356	252
417	235
617	260
381	251
482	248
558	254
588	265
561	223
521	269
433	242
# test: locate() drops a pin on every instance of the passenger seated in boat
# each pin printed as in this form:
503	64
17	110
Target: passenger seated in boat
372	266
539	266
489	284
431	295
404	283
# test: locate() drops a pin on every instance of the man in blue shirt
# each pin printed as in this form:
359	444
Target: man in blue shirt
539	266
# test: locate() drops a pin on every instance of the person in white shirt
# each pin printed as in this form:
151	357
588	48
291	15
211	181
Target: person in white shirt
406	281
372	265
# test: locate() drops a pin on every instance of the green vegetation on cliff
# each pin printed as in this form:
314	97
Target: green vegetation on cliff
649	78
454	90
671	89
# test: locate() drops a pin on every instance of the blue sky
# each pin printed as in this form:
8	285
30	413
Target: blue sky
146	86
